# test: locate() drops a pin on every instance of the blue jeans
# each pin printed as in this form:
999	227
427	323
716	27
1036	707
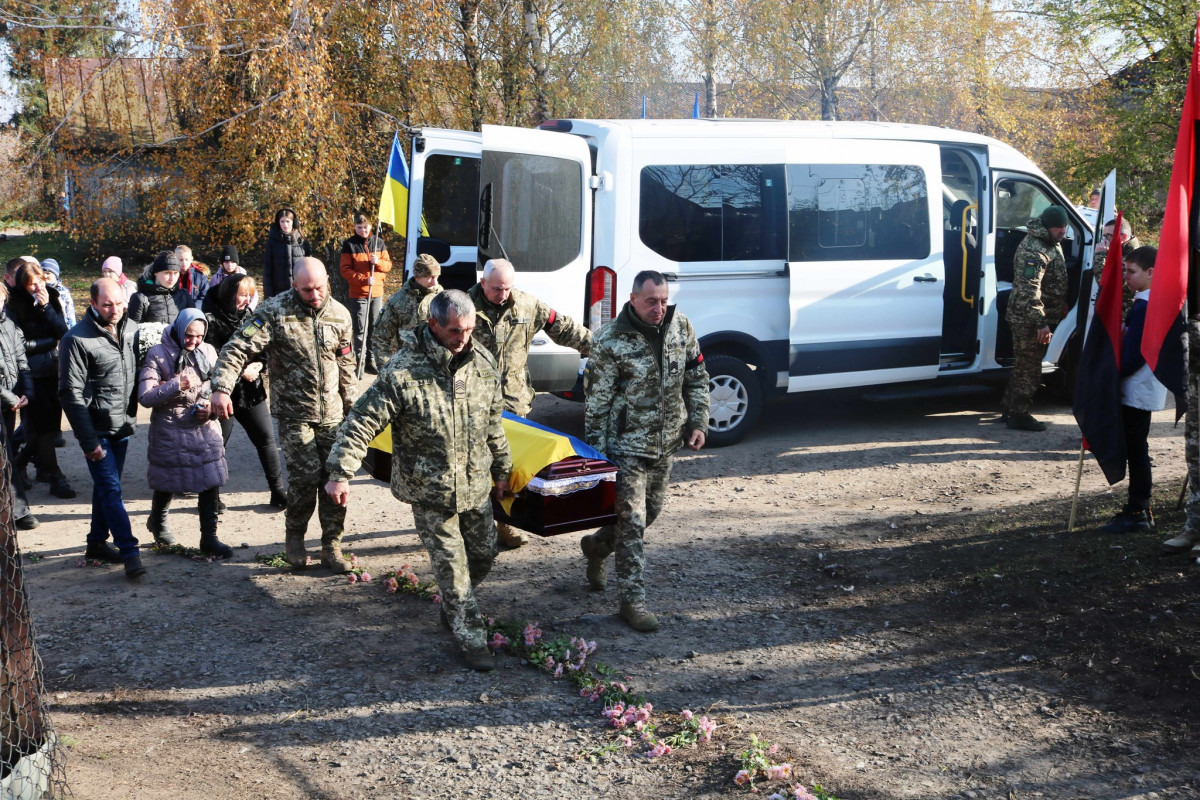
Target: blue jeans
108	507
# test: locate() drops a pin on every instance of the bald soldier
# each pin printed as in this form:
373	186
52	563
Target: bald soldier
507	320
306	337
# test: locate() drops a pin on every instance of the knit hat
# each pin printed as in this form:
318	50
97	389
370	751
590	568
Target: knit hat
426	266
113	264
1054	217
230	253
51	266
164	262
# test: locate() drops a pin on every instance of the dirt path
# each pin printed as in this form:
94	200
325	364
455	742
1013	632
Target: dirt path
885	590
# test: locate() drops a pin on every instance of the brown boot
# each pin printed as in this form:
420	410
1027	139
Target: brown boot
294	552
638	617
597	565
479	659
509	536
331	556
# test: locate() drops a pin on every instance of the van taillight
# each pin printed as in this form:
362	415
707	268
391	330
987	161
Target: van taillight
602	296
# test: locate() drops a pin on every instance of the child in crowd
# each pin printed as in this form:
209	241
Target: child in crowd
193	276
115	269
54	280
1141	394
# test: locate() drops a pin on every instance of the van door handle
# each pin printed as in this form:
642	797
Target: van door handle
926	278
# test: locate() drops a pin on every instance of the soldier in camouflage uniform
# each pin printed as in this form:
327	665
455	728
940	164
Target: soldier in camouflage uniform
647	396
441	395
1039	298
1189	538
306	336
1129	243
507	321
406	309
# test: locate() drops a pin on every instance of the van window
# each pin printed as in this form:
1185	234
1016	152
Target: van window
713	212
450	199
536	210
857	212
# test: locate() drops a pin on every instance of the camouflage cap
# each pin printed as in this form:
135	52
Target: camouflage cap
426	266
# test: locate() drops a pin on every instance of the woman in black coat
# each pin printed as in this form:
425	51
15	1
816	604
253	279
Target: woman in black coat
159	297
285	246
38	312
230	313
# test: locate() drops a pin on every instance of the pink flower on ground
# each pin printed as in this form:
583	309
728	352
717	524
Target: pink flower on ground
659	749
643	713
773	748
437	598
625	740
412	579
352	578
800	793
499	640
391	585
707	726
742	778
558	671
366	577
779	772
686	715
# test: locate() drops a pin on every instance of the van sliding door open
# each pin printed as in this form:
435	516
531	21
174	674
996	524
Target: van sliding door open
865	266
443	202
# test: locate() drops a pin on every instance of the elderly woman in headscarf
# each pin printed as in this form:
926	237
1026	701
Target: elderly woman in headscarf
185	452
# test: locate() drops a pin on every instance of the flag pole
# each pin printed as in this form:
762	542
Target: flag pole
1078	480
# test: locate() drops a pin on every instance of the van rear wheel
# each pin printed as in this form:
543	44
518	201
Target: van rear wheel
735	400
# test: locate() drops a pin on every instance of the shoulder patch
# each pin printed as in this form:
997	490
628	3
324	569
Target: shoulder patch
252	327
1030	272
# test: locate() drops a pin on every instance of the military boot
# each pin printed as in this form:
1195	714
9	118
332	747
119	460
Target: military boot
597	565
294	551
479	658
1182	543
331	555
509	536
638	617
1024	422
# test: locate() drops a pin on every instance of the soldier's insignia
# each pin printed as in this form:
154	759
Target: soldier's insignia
673	368
254	326
1030	272
460	387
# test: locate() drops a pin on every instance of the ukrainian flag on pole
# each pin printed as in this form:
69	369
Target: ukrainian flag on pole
393	203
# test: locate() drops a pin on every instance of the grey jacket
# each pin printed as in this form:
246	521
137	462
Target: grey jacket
15	379
97	378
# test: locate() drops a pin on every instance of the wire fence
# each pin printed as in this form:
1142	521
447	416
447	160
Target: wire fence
32	764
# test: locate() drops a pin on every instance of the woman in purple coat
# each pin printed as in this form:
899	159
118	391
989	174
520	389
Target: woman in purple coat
185	452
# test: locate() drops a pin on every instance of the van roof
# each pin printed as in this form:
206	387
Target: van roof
1001	155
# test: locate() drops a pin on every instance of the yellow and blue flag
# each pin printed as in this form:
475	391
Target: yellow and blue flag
393	202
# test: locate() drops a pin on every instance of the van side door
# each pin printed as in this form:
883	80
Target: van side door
443	203
535	209
865	266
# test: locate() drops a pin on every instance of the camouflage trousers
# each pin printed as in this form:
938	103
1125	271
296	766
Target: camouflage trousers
1191	429
641	491
305	446
1026	372
462	548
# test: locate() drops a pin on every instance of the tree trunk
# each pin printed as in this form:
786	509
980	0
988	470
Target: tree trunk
829	100
468	21
534	40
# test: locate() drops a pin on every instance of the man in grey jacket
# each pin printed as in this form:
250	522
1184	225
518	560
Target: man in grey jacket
97	379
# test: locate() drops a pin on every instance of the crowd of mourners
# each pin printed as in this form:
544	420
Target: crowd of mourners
203	347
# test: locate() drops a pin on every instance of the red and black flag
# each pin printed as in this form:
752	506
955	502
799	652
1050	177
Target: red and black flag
1098	385
1163	342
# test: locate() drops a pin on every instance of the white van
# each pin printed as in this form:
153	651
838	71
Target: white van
808	255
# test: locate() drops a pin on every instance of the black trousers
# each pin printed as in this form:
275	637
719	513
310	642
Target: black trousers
20	503
256	422
1136	422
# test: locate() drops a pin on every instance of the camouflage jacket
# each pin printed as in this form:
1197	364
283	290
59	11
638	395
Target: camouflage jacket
508	330
1098	270
636	404
308	352
403	311
1039	293
447	441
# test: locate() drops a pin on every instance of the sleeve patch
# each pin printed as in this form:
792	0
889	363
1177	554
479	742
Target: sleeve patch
1030	272
697	361
550	320
254	326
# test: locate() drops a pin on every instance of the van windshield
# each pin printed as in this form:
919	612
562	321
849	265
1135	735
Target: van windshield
534	216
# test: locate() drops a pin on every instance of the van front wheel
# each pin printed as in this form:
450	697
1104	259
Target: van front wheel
735	400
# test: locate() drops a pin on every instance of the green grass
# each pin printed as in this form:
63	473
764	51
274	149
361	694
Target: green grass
79	268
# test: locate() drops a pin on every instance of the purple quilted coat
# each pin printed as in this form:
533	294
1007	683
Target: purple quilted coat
183	455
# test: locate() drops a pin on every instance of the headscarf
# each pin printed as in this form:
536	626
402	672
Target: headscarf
195	358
